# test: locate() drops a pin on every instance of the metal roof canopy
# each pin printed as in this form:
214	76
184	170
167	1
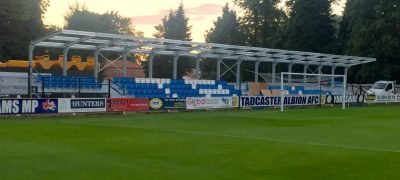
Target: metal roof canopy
103	42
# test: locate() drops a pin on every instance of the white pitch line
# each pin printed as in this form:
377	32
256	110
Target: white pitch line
243	137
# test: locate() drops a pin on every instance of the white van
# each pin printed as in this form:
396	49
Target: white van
382	88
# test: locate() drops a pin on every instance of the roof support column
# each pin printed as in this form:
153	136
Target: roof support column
238	74
30	73
125	59
346	70
175	66
290	67
219	61
65	61
198	58
305	70
96	62
319	77
274	72
333	78
150	68
256	69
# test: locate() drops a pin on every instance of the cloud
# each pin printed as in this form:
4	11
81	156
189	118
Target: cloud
147	20
205	9
197	13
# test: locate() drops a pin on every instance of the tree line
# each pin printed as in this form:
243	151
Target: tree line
368	28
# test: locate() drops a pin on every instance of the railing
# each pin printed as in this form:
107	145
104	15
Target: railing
111	85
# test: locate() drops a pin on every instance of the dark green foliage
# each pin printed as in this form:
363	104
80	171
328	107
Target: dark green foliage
311	27
262	22
174	26
226	29
80	18
371	28
20	22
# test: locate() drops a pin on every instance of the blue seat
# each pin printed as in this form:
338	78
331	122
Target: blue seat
53	85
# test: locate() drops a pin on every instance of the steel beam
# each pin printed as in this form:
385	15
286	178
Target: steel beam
96	63
219	61
305	70
65	61
274	71
198	58
30	73
124	59
256	69
333	78
319	77
238	74
151	62
290	66
175	66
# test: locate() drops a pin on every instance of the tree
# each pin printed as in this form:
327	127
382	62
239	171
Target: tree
21	22
311	26
373	28
226	30
262	22
173	26
80	18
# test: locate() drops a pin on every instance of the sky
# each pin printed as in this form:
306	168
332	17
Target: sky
148	13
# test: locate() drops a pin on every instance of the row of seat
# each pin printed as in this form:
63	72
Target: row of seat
67	82
174	88
166	81
73	85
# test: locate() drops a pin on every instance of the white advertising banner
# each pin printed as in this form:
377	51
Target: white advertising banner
209	102
338	99
12	83
67	105
271	101
394	98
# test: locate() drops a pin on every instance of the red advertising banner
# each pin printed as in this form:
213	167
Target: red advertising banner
128	104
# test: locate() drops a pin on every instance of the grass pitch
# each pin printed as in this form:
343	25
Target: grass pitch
358	143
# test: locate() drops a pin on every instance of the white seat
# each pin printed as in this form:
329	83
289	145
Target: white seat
174	95
212	82
167	91
168	81
220	86
225	91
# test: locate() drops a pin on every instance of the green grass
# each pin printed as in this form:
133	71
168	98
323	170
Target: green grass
358	143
